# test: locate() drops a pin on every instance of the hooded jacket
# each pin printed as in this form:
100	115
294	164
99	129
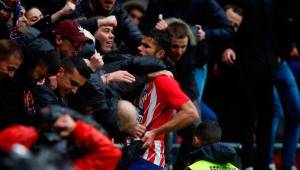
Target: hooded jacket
218	153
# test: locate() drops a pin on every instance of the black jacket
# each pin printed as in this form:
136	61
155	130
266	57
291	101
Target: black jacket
45	96
255	42
48	7
287	21
11	103
183	72
138	66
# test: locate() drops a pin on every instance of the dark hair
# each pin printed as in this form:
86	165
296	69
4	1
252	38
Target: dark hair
161	38
8	48
209	132
131	5
71	63
177	30
52	60
235	9
28	8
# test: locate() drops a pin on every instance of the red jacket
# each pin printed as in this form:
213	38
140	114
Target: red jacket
102	152
24	135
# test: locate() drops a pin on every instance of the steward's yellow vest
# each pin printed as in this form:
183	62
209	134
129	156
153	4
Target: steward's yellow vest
205	165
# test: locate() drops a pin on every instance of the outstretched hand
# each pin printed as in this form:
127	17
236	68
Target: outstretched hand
120	76
161	25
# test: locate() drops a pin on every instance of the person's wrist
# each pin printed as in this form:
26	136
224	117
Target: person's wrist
90	65
105	78
72	128
61	12
108	78
154	132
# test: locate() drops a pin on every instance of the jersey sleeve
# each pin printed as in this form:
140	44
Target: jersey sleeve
169	89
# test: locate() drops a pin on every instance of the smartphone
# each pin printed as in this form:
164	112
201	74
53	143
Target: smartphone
160	17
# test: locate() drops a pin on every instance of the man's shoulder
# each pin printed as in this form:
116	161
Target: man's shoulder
166	84
163	79
44	93
43	89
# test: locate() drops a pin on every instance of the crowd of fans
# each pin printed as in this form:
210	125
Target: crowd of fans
108	84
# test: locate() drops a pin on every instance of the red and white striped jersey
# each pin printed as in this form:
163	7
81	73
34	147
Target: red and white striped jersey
157	103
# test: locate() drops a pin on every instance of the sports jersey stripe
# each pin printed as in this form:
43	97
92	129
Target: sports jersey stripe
146	154
145	101
162	161
152	106
151	155
157	150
